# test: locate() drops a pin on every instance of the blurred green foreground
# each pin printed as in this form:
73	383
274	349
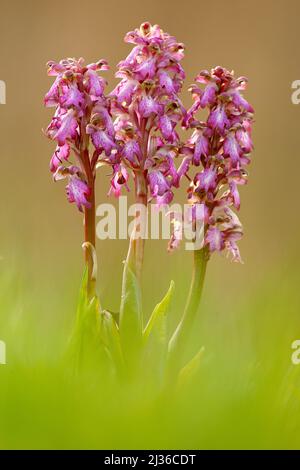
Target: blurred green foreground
244	394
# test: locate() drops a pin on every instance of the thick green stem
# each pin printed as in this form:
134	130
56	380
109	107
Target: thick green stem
140	198
90	226
89	238
179	339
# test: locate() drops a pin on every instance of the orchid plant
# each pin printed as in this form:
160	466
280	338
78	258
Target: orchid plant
135	131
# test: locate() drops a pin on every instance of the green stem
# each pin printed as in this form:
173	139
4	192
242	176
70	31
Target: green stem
90	225
140	198
181	336
89	237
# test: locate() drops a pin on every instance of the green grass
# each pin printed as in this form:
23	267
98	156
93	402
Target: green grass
245	394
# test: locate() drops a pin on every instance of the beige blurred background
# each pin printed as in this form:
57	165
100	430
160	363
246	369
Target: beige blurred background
42	231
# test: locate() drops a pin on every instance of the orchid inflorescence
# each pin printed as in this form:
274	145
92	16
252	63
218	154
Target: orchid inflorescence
135	131
78	96
221	145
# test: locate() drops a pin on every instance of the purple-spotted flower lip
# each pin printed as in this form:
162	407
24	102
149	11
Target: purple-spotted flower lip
64	127
78	192
61	154
132	153
101	139
206	180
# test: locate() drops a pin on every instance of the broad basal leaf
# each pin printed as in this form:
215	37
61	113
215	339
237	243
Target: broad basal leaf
155	336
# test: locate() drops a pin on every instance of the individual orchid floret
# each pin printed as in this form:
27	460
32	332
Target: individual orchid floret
220	147
78	192
224	230
119	179
61	154
147	109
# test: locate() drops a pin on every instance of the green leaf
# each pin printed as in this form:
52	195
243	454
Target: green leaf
87	309
156	338
85	347
131	309
130	317
157	323
191	368
110	337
